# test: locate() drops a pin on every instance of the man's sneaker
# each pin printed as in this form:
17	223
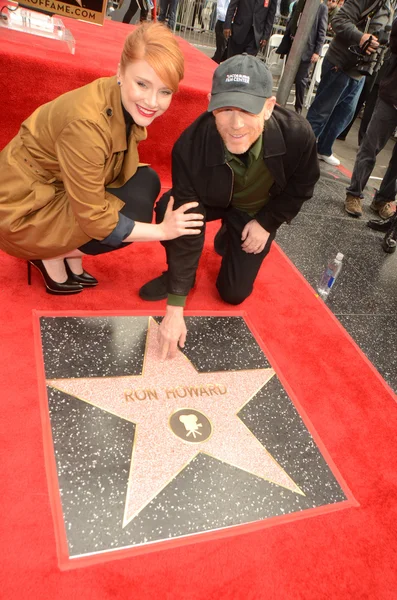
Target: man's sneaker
331	160
220	241
353	206
384	209
156	289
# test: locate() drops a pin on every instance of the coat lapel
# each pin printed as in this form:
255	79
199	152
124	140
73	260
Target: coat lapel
113	112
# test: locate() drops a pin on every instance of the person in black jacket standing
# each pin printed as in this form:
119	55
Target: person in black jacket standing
248	25
312	50
380	129
247	162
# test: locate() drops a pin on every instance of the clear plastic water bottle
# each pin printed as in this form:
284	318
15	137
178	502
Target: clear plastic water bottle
331	272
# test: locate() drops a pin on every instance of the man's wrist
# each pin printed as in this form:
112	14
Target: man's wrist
176	301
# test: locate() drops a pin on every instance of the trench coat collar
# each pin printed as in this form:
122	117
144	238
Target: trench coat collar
273	147
113	114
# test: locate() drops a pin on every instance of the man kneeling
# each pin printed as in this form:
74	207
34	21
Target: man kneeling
247	162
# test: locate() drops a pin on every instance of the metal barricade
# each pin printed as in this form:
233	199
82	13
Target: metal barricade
195	22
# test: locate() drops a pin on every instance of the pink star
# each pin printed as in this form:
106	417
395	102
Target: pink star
167	438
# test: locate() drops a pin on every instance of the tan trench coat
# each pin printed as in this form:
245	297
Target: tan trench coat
54	172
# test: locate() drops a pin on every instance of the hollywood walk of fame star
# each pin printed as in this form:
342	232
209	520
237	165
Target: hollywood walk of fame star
178	413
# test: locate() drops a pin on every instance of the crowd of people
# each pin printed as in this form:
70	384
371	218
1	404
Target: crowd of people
72	183
358	69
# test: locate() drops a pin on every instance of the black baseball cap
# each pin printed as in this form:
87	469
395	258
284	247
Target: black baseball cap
242	81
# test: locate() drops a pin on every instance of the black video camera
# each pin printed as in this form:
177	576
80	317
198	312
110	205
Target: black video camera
368	64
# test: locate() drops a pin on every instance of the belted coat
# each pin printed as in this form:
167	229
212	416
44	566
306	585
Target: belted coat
53	174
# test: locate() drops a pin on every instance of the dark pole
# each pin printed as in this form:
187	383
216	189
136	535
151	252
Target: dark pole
294	57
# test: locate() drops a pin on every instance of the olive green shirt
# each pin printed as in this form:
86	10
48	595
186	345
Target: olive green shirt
252	181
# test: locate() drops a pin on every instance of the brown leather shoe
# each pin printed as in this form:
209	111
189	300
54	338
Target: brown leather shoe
384	209
353	206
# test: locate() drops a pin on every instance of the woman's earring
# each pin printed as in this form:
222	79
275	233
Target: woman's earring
119	83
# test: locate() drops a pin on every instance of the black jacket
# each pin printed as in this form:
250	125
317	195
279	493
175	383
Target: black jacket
388	86
316	39
200	172
348	26
249	13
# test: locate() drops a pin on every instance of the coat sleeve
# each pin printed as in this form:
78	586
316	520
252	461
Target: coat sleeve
82	149
343	23
286	42
183	253
285	204
270	15
321	29
230	13
393	37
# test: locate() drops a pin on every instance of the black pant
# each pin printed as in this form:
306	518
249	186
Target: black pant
249	45
239	269
369	108
301	83
381	127
221	43
139	194
133	7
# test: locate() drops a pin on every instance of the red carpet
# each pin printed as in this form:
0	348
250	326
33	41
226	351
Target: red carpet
36	70
345	554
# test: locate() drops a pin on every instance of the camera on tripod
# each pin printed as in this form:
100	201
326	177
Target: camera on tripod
368	64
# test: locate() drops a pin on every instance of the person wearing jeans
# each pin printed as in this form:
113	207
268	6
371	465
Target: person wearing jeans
380	129
341	81
334	106
170	7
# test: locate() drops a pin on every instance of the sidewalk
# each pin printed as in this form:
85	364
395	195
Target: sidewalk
364	298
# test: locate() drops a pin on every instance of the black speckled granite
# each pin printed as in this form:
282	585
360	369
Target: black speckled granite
93	448
93	346
376	336
206	348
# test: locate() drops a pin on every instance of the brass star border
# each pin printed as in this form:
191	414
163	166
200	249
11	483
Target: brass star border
176	402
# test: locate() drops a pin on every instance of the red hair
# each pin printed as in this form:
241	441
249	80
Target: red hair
155	43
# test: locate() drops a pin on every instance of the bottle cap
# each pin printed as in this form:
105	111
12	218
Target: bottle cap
339	256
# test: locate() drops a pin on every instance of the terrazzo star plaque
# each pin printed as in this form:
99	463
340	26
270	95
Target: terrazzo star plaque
148	451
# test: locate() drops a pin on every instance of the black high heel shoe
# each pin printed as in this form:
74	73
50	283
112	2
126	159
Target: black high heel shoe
53	287
84	279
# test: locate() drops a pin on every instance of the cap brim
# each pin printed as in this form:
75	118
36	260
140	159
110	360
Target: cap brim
251	104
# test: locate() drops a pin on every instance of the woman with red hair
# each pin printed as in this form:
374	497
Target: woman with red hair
71	180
